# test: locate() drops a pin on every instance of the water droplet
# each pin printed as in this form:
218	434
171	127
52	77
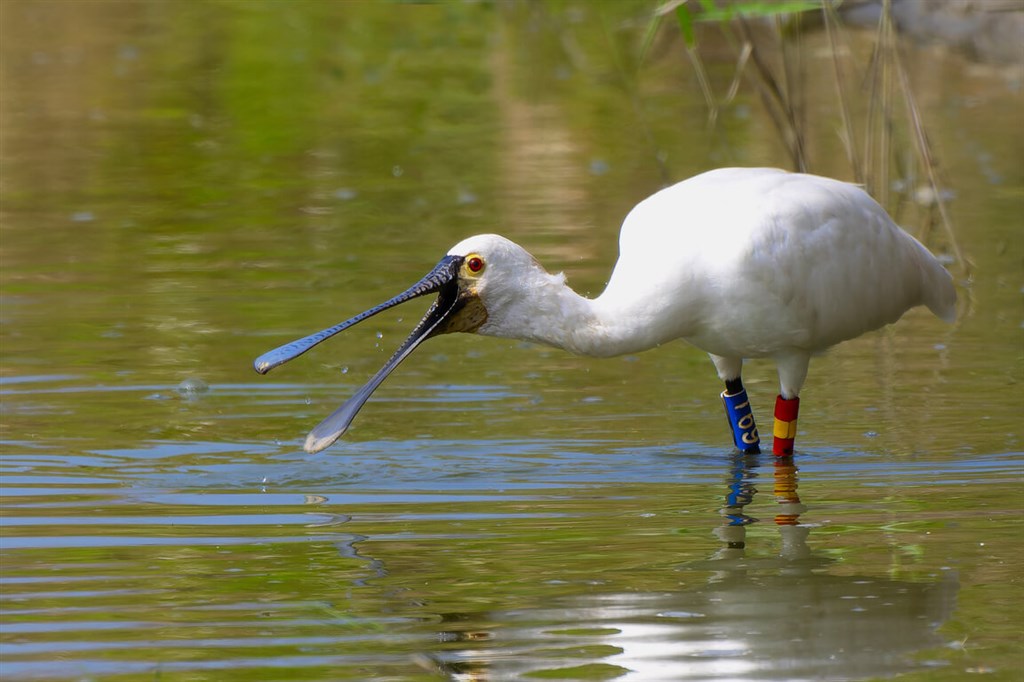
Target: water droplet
397	171
380	335
344	370
598	167
128	53
193	385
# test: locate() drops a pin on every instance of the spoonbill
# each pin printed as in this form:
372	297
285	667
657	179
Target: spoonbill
739	262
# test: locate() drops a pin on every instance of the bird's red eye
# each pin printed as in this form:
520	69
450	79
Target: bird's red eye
475	263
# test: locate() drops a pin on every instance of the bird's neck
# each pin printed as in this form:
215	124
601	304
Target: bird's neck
551	313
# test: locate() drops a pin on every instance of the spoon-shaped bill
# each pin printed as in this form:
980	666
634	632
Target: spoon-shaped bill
331	428
444	272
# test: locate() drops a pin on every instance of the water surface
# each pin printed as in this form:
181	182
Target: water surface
186	185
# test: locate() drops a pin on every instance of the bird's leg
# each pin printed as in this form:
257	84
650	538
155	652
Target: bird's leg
741	417
737	406
792	368
784	430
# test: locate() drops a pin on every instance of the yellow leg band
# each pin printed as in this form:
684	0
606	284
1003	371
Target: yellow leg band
784	429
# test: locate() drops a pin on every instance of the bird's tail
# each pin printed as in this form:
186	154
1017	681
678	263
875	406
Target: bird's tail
939	292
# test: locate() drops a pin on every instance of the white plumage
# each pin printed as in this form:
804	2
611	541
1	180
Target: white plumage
740	262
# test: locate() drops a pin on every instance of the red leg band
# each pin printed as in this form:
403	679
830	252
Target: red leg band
785	425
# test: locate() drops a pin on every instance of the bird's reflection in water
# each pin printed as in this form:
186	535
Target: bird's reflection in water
741	613
741	490
743	475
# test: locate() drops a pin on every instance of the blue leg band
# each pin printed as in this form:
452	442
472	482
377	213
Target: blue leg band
741	421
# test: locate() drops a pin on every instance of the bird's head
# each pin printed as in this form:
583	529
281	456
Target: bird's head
495	273
477	273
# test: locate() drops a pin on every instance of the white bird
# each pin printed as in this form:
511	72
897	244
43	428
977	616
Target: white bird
740	262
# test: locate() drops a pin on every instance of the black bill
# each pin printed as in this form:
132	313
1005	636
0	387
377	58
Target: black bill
438	320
